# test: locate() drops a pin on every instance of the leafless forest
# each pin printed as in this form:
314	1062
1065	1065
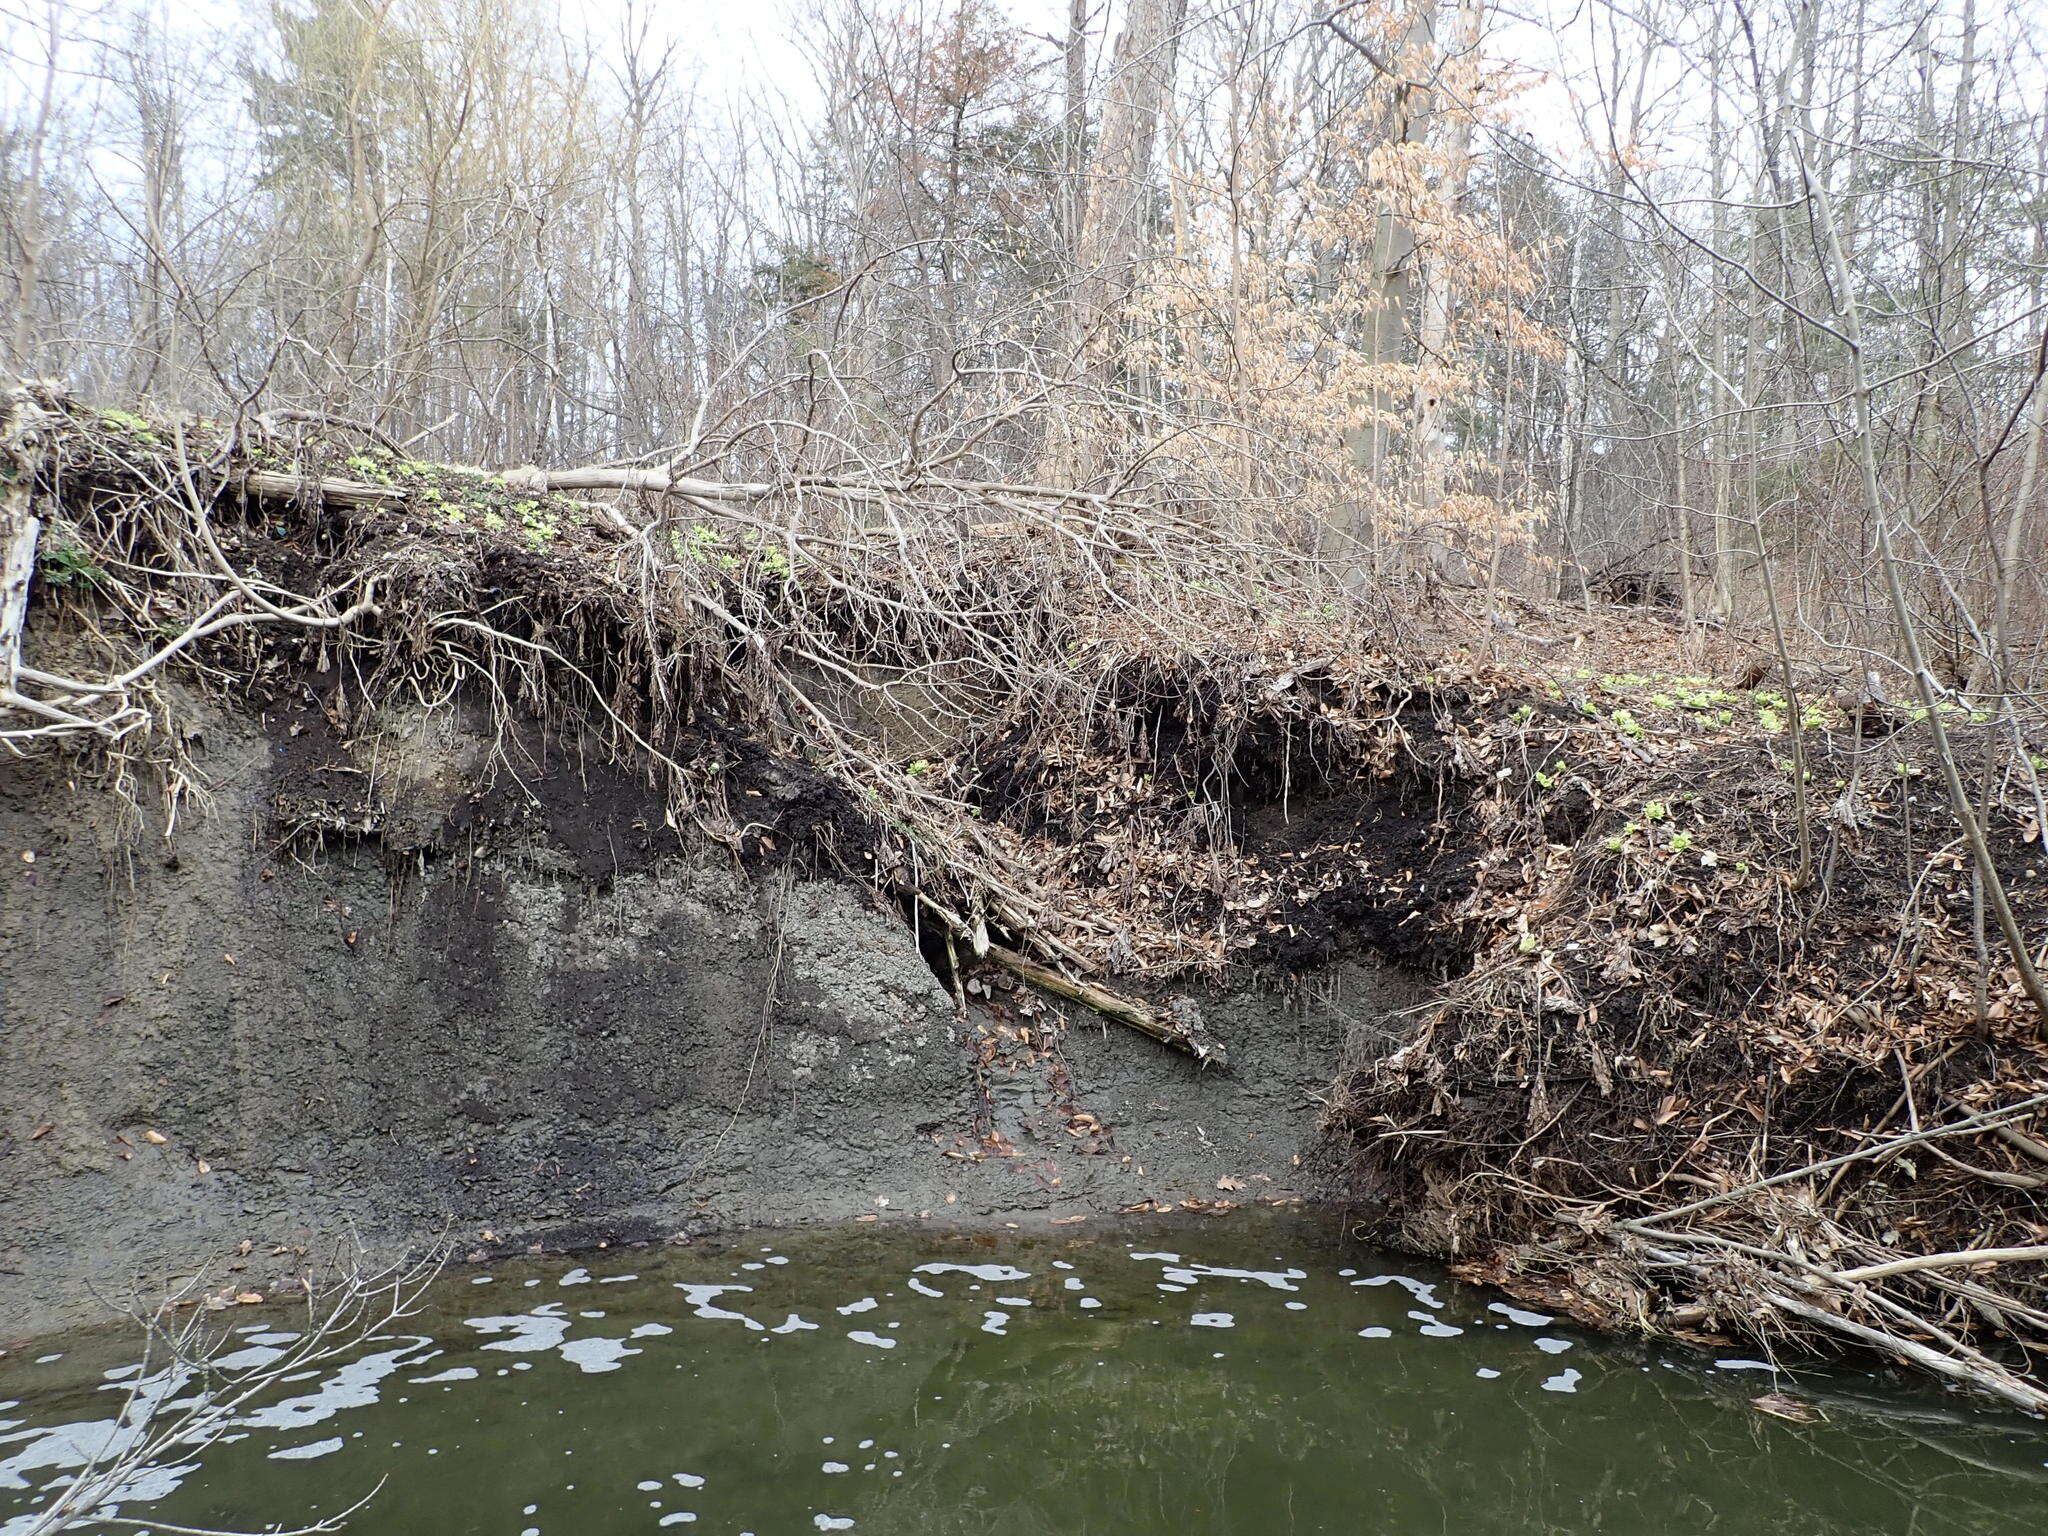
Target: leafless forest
1731	309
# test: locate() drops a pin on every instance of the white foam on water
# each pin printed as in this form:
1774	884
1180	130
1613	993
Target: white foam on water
977	1271
309	1452
700	1298
873	1340
248	1359
1420	1290
1179	1274
353	1386
1213	1320
1564	1381
530	1332
595	1356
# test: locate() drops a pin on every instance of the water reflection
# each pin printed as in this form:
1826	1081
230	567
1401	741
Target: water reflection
1209	1378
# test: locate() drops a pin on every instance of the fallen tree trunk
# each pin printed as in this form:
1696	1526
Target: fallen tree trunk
657	482
270	485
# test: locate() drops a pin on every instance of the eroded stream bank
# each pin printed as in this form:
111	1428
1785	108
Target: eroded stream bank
539	1020
547	871
1244	1376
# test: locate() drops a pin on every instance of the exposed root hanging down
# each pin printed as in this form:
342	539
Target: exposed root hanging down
1727	1044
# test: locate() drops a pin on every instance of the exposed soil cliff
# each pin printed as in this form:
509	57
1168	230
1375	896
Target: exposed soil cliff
442	1001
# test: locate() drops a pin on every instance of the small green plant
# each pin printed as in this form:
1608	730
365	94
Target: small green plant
129	422
67	565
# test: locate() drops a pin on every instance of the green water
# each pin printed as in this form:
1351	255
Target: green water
1244	1377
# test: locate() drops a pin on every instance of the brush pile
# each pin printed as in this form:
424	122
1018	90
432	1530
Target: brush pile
1727	1044
1735	1060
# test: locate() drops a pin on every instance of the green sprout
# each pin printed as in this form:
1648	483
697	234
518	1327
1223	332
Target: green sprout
68	565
